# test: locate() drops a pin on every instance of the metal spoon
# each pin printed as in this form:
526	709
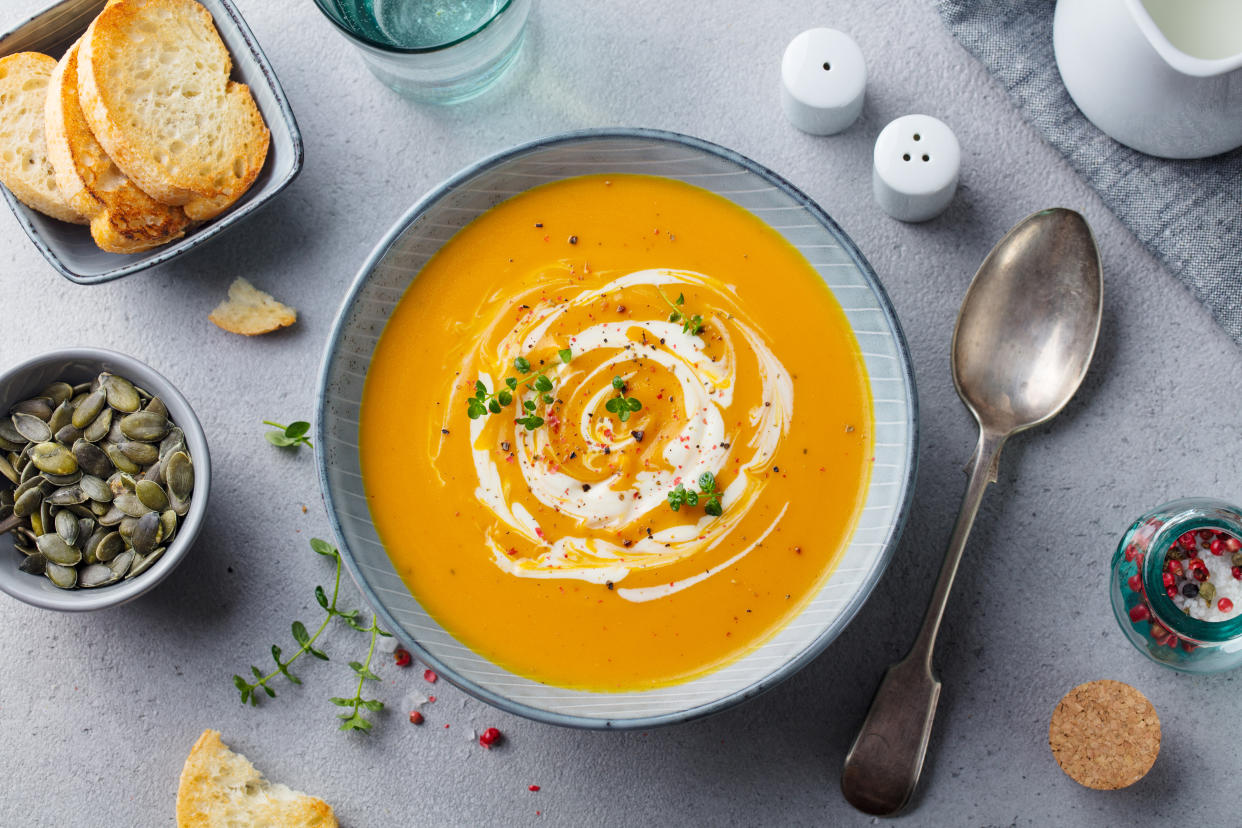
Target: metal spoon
1024	338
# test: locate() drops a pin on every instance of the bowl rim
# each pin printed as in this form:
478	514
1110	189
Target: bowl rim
252	201
88	600
866	584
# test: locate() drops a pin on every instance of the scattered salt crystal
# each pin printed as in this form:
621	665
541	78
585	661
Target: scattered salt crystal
387	644
412	700
472	735
1220	573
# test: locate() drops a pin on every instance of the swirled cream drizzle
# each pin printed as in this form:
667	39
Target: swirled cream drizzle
719	402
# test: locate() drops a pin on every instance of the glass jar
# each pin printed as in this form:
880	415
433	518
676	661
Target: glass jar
1148	616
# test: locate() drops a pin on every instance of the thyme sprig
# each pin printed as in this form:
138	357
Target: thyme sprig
622	405
708	493
249	690
692	325
354	719
484	402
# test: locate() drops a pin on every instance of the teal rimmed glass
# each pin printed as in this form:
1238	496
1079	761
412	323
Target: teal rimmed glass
1170	637
441	63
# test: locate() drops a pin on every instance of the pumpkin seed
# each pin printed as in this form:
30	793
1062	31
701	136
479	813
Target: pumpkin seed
66	496
175	441
109	546
28	502
179	474
147	534
53	458
6	468
86	527
129	504
67	527
180	507
111	517
96	575
62	479
151	495
142	565
144	426
33	564
118	459
32	428
54	548
121	394
156	406
126	528
61	417
100	509
89	408
96	489
99	427
40	407
122	562
144	454
10	438
168	525
65	577
57	392
69	435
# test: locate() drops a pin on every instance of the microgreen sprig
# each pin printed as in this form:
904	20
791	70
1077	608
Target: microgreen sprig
293	434
681	496
621	405
689	324
484	402
306	645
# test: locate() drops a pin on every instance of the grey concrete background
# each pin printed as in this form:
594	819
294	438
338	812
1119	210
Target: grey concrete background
97	712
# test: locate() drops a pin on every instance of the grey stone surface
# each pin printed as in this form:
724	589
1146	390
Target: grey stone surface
97	712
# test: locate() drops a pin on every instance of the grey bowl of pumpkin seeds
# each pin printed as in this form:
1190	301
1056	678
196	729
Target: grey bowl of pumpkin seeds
104	478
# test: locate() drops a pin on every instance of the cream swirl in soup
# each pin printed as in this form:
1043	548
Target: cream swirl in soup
706	426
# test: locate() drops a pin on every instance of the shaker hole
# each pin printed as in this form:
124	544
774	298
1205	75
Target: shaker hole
827	66
926	157
905	157
917	137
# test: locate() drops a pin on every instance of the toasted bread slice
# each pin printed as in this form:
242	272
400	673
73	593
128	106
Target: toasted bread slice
221	789
24	166
123	218
250	311
153	80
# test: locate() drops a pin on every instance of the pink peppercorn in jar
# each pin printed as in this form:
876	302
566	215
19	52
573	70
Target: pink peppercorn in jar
1176	586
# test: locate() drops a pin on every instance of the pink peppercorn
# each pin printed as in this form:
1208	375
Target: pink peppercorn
416	717
402	657
489	737
1224	605
1139	612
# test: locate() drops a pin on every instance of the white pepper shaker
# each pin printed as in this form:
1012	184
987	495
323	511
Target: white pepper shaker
823	78
916	166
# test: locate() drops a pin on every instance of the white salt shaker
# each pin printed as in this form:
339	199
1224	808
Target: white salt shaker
822	81
916	165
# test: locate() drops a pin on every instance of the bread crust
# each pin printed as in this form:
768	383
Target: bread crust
123	218
204	802
24	165
250	312
154	85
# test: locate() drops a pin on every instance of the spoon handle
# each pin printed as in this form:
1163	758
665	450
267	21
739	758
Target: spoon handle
883	766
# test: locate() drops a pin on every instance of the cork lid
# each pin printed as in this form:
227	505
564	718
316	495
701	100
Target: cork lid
1105	735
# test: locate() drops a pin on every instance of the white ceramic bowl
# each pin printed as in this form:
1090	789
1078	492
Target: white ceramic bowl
397	261
76	365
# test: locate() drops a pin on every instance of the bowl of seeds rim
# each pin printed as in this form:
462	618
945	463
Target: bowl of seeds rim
30	381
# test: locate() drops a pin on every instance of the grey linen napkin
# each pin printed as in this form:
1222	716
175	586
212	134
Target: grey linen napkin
1188	213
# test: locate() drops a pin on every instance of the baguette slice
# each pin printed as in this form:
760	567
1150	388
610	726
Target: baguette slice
221	789
123	218
153	80
250	311
24	166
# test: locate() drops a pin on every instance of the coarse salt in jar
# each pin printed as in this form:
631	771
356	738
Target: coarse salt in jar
1176	585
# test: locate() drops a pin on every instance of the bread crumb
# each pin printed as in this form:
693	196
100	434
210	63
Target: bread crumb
250	311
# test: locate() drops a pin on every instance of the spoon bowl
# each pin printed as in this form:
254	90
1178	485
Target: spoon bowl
1024	338
1029	322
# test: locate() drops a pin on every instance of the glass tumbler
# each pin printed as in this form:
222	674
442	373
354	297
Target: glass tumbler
1147	614
437	51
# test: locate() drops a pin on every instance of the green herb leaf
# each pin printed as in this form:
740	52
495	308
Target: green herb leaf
543	384
529	405
321	597
324	548
681	298
618	383
707	481
285	436
522	364
297	429
278	438
505	398
494	406
566	354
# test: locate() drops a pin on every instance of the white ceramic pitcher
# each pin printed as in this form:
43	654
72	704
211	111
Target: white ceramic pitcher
1161	76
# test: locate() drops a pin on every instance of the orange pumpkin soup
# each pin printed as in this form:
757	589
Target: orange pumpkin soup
616	433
